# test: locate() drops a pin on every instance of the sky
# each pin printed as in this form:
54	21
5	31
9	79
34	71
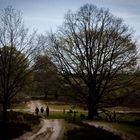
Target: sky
46	15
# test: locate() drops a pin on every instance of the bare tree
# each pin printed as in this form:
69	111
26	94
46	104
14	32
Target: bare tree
95	52
16	47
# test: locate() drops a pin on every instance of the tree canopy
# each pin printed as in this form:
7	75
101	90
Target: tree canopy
45	75
16	48
13	70
94	49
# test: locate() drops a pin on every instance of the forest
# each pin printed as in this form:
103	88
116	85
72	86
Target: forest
87	73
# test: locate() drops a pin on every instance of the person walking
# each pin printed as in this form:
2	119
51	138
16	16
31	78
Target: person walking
42	110
36	110
47	111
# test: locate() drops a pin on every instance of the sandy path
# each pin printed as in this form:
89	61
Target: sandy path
50	129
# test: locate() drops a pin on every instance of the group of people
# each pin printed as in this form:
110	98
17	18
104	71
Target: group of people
42	110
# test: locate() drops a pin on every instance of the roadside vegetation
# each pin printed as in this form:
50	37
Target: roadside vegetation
86	132
17	124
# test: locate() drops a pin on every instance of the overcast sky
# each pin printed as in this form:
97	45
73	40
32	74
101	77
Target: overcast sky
48	14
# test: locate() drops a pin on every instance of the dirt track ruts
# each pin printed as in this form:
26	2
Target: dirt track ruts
51	129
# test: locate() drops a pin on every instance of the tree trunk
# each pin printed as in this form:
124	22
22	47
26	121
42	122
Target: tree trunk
46	95
92	111
92	106
4	111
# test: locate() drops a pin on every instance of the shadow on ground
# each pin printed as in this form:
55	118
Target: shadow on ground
86	132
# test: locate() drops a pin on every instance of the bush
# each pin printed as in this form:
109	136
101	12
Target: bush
17	124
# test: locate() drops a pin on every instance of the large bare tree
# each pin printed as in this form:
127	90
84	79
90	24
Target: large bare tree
95	52
16	47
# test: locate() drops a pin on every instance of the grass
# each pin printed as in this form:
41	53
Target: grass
133	118
86	132
60	111
20	106
67	116
56	115
129	123
61	106
128	129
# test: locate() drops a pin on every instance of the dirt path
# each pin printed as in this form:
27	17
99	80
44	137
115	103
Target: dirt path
109	127
51	129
